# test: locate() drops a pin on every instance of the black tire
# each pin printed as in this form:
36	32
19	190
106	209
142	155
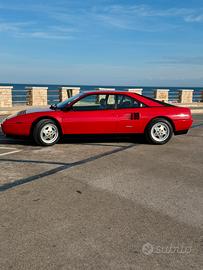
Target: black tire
47	124
162	135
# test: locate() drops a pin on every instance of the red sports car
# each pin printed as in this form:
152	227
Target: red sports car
101	112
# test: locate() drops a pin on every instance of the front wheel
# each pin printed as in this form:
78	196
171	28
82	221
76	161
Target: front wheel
159	131
46	132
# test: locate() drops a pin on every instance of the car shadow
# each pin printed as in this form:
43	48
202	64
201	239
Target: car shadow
77	139
102	139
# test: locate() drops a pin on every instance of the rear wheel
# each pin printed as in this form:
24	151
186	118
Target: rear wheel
159	131
46	132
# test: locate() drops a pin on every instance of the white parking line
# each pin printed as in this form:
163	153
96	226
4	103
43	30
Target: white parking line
12	151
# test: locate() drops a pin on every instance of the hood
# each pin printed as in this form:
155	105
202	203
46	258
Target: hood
29	111
38	109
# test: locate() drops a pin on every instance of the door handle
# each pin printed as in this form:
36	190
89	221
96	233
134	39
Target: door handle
135	116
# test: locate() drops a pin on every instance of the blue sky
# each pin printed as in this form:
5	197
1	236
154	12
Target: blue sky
109	42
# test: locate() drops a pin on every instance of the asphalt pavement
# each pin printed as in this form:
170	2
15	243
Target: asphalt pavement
96	203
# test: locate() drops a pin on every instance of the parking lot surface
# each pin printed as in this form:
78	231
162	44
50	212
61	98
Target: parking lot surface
95	203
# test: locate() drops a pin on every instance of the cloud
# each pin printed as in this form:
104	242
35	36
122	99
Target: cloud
194	18
146	18
31	30
45	27
45	35
195	60
149	11
59	21
13	26
64	29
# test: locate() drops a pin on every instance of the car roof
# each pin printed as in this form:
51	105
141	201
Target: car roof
106	92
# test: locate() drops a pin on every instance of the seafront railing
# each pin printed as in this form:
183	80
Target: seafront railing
53	96
198	96
42	96
19	96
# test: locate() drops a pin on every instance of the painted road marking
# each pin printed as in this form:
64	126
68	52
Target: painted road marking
12	151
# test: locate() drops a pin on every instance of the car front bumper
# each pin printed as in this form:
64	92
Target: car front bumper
10	127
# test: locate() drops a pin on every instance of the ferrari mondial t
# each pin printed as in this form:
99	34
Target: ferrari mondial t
101	112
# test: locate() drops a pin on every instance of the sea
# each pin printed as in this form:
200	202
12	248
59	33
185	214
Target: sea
19	91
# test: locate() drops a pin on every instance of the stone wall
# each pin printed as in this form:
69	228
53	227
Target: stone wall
161	94
135	90
37	96
6	96
107	89
66	92
186	95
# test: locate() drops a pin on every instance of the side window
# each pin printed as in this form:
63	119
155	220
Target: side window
111	102
127	102
95	102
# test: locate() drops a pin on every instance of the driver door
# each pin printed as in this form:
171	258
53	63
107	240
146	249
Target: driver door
92	114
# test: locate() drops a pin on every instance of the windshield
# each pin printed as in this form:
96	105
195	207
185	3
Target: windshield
65	103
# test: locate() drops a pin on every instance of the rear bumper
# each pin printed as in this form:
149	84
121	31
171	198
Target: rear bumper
182	125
